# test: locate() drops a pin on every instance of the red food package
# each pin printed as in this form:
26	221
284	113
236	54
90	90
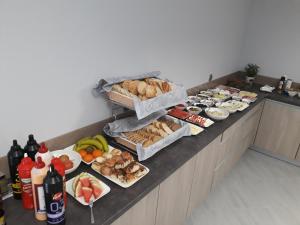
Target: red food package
179	113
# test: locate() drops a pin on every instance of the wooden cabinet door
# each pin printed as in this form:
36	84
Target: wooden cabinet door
144	212
235	142
203	175
174	195
279	129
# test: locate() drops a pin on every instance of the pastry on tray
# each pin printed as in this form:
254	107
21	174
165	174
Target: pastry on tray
152	133
121	167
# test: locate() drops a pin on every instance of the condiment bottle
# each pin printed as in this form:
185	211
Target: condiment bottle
61	169
54	197
14	157
2	212
31	147
280	84
44	154
38	173
24	170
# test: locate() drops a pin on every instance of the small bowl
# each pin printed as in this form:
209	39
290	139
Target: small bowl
292	93
194	110
181	106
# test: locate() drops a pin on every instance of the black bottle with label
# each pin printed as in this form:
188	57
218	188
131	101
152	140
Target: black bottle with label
31	147
54	197
14	156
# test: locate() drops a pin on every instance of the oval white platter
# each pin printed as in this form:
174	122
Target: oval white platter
73	156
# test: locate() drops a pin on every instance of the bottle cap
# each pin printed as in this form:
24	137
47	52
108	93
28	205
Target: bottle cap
15	142
43	148
52	171
15	145
26	162
59	166
39	164
31	139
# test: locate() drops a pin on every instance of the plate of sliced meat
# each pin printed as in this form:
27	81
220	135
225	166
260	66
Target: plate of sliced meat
200	121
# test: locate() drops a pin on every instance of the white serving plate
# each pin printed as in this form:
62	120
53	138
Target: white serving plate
125	185
226	106
224	113
195	130
74	157
117	181
208	122
243	105
69	189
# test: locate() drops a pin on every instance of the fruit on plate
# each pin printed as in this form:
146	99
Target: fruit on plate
66	161
87	194
91	147
87	187
88	158
103	141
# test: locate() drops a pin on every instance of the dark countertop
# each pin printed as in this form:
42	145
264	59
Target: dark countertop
161	166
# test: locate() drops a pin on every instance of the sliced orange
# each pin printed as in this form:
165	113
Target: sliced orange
88	158
82	152
97	153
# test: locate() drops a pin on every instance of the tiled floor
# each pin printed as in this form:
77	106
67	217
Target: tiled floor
260	190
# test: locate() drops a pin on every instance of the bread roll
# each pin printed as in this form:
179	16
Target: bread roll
166	87
150	91
125	84
141	88
133	86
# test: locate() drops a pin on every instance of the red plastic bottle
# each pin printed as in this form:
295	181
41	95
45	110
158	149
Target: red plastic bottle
61	169
24	169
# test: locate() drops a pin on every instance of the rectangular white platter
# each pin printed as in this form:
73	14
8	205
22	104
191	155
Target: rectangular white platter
123	184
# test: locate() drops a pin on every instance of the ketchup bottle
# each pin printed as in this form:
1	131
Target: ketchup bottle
61	169
44	154
24	170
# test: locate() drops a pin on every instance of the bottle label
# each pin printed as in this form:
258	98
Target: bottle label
56	209
16	186
2	220
27	186
39	198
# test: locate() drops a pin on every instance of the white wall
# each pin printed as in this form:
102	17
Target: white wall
51	53
273	38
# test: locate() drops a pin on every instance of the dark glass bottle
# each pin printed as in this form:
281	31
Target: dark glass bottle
14	156
54	197
31	147
2	212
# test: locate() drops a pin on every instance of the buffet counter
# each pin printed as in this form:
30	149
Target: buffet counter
180	176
